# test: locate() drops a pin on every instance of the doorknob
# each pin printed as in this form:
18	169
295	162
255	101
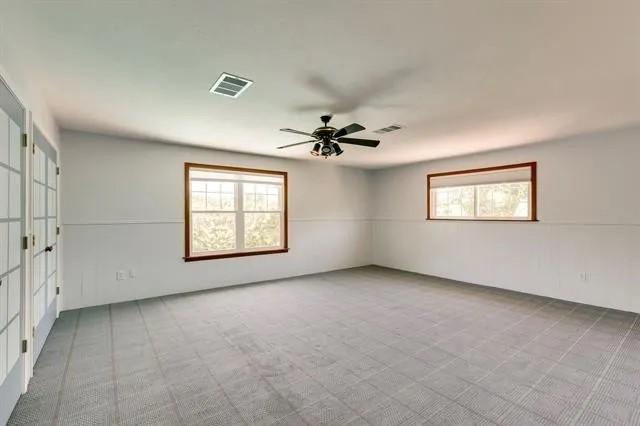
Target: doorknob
48	248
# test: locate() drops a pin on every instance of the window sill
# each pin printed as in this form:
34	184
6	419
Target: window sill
229	255
482	220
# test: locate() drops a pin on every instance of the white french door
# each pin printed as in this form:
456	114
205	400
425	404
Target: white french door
45	239
12	259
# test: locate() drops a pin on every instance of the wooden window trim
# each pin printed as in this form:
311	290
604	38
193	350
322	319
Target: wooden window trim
187	213
533	165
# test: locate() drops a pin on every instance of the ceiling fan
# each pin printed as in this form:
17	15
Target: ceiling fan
326	138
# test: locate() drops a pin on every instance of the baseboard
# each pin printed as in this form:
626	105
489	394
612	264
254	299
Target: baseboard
546	296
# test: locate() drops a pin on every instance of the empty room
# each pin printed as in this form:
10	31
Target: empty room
293	212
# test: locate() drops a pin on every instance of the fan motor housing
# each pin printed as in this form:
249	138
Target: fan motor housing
324	132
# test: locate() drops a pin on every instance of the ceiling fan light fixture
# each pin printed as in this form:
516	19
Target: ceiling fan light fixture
326	138
316	149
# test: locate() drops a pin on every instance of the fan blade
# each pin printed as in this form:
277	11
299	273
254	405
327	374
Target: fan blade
362	142
296	131
347	130
299	143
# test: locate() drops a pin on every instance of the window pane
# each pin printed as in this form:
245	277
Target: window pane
261	202
213	231
273	202
261	197
214	197
227	187
213	186
504	200
227	201
454	202
249	201
213	201
262	230
198	201
197	185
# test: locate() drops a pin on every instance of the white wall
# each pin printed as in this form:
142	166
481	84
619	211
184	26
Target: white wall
30	96
122	208
589	221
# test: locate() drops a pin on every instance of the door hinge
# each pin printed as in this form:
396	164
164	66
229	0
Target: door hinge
25	140
58	170
57	230
33	332
25	243
33	148
33	240
24	346
58	290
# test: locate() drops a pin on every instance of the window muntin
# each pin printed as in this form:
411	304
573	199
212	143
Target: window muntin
262	197
234	211
207	195
495	193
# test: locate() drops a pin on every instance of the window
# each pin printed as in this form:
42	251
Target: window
492	193
232	211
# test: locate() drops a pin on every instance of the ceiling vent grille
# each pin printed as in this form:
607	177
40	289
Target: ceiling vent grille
229	85
388	129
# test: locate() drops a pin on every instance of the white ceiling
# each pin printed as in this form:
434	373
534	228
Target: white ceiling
462	76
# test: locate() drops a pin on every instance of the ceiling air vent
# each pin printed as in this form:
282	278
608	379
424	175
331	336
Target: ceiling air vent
230	85
388	129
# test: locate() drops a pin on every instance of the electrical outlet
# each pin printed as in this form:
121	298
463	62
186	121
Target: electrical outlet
120	276
584	276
